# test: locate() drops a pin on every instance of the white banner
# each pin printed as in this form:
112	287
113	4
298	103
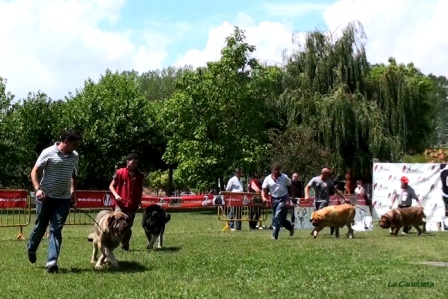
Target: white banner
425	178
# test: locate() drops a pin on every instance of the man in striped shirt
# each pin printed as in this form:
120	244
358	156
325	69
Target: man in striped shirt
54	179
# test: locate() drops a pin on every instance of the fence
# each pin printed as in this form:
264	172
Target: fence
15	209
241	206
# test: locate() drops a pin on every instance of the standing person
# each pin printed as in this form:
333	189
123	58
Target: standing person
360	190
255	211
296	188
235	185
127	189
277	184
405	198
322	185
54	180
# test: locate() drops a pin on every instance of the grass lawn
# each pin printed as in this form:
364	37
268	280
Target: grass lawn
200	261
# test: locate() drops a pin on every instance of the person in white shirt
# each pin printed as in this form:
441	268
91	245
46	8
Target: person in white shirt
360	190
277	185
235	185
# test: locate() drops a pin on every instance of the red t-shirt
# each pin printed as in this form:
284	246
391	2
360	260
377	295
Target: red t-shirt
129	188
256	182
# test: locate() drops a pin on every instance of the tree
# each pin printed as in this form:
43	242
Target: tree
440	106
115	119
215	120
325	87
405	97
306	158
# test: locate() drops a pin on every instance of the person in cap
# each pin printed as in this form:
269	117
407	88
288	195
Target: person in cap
405	198
322	185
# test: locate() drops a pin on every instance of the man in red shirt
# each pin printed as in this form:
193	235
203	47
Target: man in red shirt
127	188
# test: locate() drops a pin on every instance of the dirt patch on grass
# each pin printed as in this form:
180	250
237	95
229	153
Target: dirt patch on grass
436	264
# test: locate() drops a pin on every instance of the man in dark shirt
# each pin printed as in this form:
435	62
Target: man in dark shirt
296	188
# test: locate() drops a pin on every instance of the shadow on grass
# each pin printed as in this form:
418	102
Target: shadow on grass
168	249
125	266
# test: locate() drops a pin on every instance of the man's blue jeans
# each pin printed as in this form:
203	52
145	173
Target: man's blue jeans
55	212
281	211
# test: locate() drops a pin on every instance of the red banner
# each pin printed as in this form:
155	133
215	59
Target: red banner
230	199
93	199
10	199
183	202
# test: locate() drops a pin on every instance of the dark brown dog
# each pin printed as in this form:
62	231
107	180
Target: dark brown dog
399	217
334	216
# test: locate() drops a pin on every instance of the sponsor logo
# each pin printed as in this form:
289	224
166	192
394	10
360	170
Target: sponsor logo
379	168
422	179
378	187
107	201
393	178
409	169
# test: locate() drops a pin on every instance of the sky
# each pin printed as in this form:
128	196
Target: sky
53	46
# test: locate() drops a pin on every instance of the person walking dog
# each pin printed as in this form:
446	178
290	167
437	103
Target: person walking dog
54	180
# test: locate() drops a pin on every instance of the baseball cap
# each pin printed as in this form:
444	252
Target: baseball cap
404	179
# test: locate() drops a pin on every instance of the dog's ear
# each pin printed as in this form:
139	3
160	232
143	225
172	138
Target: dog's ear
110	223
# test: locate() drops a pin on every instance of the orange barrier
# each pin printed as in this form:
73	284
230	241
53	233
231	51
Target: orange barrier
15	209
241	206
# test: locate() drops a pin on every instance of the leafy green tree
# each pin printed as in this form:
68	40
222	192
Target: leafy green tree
405	97
440	106
115	119
29	129
215	120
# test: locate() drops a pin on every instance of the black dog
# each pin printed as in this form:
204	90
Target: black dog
154	220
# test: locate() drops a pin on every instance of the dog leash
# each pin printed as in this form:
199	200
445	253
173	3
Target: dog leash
85	213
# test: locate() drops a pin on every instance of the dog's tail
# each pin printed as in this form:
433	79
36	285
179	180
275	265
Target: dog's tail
90	237
168	218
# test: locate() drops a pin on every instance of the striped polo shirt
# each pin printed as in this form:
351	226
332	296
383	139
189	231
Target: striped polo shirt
57	169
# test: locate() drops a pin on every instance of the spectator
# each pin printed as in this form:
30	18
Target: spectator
297	189
255	211
235	185
360	190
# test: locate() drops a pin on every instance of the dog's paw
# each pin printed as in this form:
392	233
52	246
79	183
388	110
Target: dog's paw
149	247
98	267
93	261
159	247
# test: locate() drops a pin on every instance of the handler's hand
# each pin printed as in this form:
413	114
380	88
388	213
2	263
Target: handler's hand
73	200
118	198
40	195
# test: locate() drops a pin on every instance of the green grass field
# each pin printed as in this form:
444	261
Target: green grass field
200	261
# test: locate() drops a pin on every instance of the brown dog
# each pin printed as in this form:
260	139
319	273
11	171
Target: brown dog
399	217
334	216
109	230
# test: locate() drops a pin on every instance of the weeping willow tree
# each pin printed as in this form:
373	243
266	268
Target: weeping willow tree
326	87
404	96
